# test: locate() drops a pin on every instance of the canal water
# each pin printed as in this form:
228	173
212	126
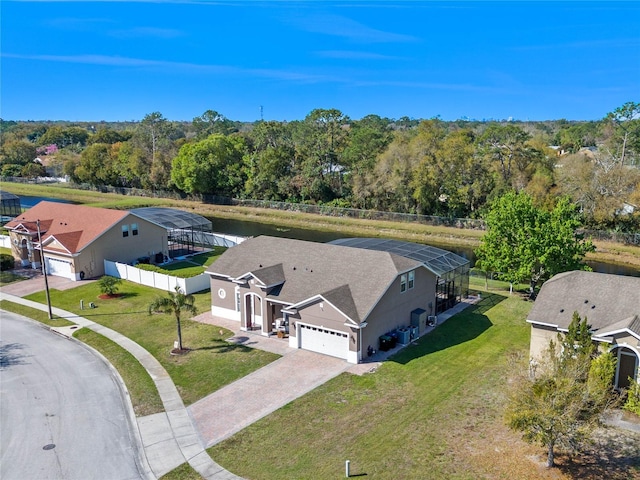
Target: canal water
245	228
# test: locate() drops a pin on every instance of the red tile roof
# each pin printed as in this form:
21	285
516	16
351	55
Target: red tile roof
73	226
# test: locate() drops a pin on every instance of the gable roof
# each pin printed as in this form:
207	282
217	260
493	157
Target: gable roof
352	279
609	302
73	227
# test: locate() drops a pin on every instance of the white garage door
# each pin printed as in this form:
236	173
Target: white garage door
59	268
324	341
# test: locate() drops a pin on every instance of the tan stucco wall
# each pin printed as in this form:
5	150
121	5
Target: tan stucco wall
394	308
151	239
540	338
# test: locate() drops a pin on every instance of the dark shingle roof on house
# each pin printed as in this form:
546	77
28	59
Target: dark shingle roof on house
352	279
607	301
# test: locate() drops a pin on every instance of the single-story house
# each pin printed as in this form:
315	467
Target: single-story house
76	239
333	299
611	305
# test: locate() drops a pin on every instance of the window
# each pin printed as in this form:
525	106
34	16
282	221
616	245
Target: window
237	300
134	229
403	283
412	278
125	230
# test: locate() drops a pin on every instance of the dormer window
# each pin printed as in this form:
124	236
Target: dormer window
125	230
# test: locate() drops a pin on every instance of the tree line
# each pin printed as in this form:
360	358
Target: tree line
431	167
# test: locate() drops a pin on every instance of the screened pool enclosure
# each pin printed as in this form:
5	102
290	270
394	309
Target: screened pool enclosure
451	270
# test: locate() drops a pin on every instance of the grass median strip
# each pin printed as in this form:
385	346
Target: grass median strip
212	362
35	314
143	392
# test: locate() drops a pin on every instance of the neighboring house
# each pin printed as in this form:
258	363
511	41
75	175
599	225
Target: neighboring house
77	239
333	299
611	305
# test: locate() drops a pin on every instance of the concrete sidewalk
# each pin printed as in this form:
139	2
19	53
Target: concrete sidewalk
169	438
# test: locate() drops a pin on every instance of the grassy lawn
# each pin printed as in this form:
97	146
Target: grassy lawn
189	267
211	364
433	411
183	472
143	392
35	314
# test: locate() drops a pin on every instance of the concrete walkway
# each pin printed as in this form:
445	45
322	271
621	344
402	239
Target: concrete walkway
169	438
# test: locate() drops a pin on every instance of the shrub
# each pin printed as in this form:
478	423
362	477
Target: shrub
633	398
7	262
109	285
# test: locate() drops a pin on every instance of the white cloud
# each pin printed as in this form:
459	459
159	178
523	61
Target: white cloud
127	62
340	26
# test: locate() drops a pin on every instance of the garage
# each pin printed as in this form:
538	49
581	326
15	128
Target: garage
322	340
59	268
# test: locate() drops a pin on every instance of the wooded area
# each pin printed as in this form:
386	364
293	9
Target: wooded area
431	167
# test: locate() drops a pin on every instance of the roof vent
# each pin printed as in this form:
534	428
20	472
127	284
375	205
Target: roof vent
562	310
294	268
586	301
593	306
260	265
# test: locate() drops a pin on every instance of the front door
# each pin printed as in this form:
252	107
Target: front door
627	367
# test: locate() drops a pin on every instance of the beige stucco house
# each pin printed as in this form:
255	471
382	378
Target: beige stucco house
333	299
76	239
611	305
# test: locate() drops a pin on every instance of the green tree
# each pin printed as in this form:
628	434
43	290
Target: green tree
560	404
96	166
625	140
506	147
211	166
176	303
524	243
64	136
109	285
18	152
211	122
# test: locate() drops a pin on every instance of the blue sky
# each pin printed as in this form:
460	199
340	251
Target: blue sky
120	60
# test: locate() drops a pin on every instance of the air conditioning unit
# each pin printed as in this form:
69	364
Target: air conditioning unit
432	320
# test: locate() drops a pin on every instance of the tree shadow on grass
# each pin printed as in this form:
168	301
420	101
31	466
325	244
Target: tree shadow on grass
614	454
224	347
460	328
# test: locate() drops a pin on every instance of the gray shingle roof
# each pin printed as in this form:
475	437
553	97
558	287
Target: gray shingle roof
353	279
606	300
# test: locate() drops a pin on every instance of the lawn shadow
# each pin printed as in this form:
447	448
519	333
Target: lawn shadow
225	347
460	328
10	355
614	454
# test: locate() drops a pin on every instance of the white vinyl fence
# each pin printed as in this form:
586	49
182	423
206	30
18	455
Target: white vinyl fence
157	280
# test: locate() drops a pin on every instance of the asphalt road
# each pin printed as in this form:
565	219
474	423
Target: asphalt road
62	415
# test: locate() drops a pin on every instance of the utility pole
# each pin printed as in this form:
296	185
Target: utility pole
44	270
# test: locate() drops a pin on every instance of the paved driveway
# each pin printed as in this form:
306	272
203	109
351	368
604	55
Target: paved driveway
238	405
61	410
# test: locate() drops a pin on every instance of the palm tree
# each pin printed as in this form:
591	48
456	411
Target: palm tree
175	303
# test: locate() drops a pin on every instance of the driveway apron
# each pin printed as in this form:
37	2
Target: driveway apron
232	408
